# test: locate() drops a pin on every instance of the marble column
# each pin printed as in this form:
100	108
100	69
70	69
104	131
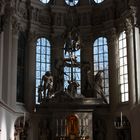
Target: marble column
30	66
113	72
1	61
1	44
13	61
113	78
131	64
137	60
7	49
86	61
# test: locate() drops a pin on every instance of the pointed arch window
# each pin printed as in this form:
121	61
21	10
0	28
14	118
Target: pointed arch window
100	61
123	67
43	49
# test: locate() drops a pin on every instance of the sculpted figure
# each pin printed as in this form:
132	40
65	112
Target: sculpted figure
98	85
47	83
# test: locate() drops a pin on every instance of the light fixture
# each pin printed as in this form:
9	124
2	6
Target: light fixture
121	122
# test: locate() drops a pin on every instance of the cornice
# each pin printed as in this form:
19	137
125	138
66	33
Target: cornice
9	108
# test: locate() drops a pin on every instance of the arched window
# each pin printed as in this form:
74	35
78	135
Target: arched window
123	67
42	60
71	2
98	1
45	1
100	57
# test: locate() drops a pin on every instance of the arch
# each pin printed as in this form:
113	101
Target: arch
72	125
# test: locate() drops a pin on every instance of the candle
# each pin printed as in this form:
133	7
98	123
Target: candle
86	122
56	127
79	122
121	118
57	122
24	119
115	123
61	122
83	122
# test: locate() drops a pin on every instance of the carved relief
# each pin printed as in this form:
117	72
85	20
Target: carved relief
112	37
15	25
128	25
71	18
44	130
58	21
44	18
16	4
22	12
34	14
121	6
2	5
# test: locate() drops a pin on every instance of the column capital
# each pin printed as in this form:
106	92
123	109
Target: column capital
2	5
112	36
128	26
16	25
33	35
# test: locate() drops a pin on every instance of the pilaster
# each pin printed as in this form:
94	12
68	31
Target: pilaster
30	59
14	51
113	66
86	61
7	49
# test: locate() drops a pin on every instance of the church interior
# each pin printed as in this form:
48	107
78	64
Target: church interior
69	70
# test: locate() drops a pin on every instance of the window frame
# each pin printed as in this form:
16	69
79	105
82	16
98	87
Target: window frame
74	3
46	1
123	67
102	50
98	1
